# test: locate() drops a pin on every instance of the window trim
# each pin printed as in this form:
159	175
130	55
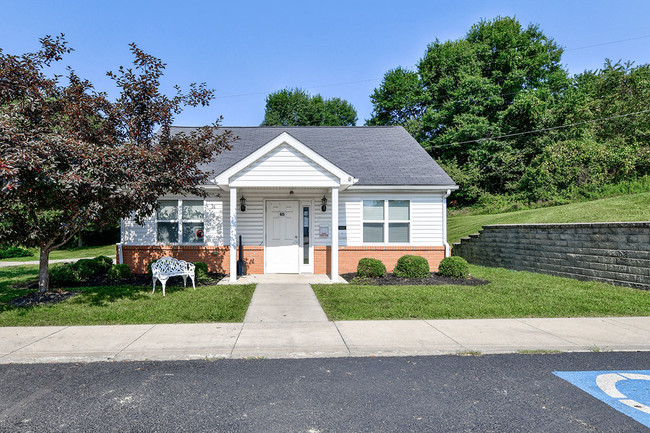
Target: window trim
386	221
179	220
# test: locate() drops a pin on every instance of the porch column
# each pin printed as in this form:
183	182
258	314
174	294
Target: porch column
335	234
233	235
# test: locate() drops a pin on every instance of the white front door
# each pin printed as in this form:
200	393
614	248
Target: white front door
282	249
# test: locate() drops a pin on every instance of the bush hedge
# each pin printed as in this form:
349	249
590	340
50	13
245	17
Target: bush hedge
409	266
454	267
80	270
64	273
200	271
119	272
11	252
370	268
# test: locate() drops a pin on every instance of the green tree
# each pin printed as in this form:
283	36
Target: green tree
499	79
71	158
296	107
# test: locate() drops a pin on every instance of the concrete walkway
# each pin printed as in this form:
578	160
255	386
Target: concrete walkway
295	339
285	320
36	262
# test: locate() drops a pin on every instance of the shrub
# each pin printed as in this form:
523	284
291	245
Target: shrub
149	273
119	272
200	271
87	268
453	267
369	267
65	273
11	252
412	267
104	263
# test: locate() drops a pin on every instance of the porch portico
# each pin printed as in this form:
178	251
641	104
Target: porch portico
295	187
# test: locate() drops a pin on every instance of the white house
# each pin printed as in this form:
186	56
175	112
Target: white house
303	200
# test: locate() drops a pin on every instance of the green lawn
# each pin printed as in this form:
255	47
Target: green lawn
633	207
124	304
510	294
104	250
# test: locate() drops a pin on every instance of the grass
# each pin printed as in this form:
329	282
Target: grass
510	294
123	304
74	253
633	207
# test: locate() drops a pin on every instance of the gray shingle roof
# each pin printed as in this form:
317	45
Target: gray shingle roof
384	155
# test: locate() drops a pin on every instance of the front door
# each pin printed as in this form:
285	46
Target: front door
282	249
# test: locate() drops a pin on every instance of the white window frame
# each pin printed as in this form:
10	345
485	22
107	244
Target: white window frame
180	221
386	221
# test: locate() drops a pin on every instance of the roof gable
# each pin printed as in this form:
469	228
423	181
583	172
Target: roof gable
284	161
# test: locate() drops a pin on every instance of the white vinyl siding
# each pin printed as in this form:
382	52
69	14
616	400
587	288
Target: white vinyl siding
425	217
284	167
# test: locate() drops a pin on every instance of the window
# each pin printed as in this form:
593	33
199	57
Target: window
377	228
189	224
305	235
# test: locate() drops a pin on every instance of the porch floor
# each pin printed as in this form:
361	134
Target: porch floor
283	279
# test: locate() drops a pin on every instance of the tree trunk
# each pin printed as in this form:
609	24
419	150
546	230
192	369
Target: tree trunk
43	271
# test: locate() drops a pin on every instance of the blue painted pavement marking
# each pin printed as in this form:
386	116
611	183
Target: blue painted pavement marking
626	391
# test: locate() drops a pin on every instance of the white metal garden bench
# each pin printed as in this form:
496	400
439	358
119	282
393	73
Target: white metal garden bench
167	267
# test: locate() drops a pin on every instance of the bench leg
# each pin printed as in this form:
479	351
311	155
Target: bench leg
154	285
193	285
184	280
163	284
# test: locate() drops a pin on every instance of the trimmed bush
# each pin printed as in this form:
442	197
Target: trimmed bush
454	267
87	268
409	266
370	268
104	263
65	273
149	267
200	271
119	272
11	252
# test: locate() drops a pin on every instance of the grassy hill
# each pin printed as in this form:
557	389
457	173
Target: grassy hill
634	207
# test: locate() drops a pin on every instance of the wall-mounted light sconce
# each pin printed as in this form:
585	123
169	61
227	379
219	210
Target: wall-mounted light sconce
323	204
242	204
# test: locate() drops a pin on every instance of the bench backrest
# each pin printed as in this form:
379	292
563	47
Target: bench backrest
170	265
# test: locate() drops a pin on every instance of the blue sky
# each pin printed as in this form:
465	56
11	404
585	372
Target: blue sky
246	49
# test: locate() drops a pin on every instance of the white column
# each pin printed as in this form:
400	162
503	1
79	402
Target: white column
233	235
335	234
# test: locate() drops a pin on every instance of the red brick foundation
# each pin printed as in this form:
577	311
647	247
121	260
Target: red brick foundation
218	258
349	257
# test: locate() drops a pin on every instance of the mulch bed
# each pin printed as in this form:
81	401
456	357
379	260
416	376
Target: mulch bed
55	294
34	298
432	280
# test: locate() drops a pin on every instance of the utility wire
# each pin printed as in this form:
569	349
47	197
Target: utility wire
608	43
540	130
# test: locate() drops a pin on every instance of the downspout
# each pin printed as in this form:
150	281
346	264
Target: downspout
444	223
120	257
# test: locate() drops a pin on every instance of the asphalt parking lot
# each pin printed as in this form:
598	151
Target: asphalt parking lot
489	393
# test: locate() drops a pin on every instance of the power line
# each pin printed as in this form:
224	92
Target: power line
466	55
540	130
608	43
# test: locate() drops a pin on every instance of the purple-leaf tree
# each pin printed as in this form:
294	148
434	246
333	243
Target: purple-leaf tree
70	157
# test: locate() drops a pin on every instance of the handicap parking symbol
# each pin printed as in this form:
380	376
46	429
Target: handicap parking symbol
626	391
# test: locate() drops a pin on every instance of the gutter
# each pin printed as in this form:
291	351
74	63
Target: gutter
444	223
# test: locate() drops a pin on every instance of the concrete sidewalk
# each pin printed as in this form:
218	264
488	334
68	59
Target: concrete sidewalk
36	262
297	339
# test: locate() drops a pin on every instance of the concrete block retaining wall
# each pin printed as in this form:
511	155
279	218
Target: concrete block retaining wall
614	253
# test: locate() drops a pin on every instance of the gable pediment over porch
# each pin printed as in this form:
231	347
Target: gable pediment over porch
284	162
